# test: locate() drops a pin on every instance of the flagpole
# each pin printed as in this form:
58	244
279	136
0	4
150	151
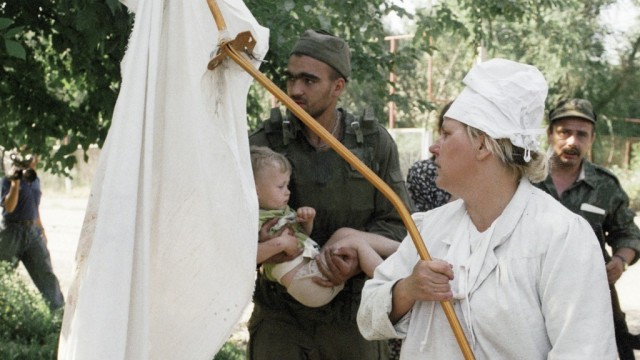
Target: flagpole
217	15
228	48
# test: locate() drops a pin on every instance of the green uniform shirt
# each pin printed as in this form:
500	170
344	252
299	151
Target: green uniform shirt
598	189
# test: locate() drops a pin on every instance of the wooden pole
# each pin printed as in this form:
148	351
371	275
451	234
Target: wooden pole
217	15
379	184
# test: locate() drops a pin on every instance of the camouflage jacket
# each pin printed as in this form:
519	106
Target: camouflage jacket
598	197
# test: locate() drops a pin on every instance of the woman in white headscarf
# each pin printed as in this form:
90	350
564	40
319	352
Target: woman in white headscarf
525	275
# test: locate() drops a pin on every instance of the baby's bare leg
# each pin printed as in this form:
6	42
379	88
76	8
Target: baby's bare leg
288	277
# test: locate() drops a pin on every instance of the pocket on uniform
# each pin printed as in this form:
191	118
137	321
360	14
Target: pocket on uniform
396	176
364	156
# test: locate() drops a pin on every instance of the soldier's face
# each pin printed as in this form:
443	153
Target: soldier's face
310	85
571	140
272	186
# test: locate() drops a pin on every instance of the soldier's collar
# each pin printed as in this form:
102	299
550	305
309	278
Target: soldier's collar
587	173
297	124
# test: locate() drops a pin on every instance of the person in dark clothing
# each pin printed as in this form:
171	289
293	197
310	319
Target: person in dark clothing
595	193
421	179
280	327
22	237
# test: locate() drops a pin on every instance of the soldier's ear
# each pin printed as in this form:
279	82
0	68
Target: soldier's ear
338	86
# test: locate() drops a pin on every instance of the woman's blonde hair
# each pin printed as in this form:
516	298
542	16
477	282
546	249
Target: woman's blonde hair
512	156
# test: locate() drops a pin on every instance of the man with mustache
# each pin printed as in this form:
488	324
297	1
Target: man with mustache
595	193
346	204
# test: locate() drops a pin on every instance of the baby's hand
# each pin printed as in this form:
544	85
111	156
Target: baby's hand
305	214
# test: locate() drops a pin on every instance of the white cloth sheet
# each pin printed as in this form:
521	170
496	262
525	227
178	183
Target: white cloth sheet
166	259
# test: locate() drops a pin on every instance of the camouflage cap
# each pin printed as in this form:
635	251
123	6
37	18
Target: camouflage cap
578	108
327	48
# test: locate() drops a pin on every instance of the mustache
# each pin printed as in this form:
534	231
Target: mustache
571	151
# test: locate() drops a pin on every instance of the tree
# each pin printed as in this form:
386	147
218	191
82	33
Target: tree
60	71
360	23
60	95
60	75
563	38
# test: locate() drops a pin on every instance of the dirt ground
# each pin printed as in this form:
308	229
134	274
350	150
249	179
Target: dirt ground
62	215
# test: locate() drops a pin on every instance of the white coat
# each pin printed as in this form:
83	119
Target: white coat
541	291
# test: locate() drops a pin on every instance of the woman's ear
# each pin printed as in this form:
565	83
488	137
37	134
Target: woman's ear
482	149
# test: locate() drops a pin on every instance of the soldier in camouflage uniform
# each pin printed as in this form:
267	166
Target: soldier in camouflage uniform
280	327
595	193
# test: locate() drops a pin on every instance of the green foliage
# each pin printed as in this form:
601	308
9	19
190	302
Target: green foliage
12	47
359	23
28	329
630	181
573	61
62	92
230	351
60	77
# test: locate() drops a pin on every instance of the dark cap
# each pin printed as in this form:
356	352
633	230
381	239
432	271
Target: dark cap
327	48
577	108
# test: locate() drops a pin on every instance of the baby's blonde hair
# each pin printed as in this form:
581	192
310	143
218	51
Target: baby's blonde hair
262	157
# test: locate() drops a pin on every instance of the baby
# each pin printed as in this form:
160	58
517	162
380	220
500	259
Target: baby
272	172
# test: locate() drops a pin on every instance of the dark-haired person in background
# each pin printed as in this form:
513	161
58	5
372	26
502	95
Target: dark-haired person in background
594	193
346	205
22	236
421	179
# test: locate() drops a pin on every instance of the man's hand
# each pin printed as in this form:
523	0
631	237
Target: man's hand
16	176
337	264
264	235
615	268
11	199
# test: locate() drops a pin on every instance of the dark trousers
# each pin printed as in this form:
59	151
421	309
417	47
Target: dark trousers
24	242
625	349
277	339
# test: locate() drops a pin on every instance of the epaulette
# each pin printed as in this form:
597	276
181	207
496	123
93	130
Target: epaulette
274	123
284	127
361	125
606	171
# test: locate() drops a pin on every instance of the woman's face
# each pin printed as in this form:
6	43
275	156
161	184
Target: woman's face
455	155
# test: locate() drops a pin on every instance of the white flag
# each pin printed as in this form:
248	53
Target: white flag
166	259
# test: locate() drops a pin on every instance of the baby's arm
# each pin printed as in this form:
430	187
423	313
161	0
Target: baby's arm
286	243
305	216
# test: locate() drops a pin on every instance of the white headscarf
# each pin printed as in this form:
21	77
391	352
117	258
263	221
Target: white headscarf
505	99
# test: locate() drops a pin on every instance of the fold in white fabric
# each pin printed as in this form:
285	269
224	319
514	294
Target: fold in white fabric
166	259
